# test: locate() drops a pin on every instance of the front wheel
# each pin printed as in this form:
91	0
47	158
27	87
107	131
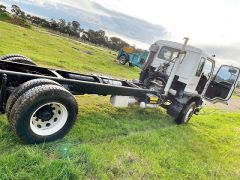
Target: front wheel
186	113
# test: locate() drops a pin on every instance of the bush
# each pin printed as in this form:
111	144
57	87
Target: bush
5	16
20	22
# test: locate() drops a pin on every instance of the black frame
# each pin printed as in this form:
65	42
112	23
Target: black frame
13	74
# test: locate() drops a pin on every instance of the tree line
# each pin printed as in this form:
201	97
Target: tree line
73	28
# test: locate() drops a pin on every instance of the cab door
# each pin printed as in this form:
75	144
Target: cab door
221	87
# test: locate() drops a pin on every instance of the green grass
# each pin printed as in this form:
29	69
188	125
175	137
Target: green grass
128	143
115	143
59	52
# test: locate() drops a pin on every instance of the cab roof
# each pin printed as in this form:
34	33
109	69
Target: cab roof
188	47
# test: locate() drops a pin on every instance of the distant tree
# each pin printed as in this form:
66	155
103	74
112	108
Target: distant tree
85	36
54	25
117	43
101	38
29	17
75	25
62	25
71	28
45	23
36	20
76	28
2	8
17	11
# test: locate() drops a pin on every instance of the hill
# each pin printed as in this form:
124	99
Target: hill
55	51
115	143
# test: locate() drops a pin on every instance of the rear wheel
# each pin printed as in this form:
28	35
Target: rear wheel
20	90
43	113
22	60
11	56
123	60
130	64
186	113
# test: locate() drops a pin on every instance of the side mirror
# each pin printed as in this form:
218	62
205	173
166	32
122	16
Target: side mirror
232	71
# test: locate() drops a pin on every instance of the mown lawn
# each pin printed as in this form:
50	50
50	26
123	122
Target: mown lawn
115	143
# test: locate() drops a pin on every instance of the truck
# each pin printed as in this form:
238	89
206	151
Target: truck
40	106
127	55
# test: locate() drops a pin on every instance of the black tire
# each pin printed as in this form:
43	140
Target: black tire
123	60
130	64
21	60
186	113
31	102
20	90
11	56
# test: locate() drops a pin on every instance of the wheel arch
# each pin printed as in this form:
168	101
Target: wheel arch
187	99
178	104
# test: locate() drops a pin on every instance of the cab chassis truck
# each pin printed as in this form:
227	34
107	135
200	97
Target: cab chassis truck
40	105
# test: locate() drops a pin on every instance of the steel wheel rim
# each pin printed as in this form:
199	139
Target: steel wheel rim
189	114
43	127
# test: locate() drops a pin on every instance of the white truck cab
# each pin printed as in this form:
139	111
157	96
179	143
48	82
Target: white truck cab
184	76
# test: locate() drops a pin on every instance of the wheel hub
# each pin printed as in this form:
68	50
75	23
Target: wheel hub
48	119
45	113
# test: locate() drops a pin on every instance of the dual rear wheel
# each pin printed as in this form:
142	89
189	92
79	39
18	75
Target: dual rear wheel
41	110
18	59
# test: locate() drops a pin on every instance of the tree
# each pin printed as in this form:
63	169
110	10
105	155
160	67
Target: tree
85	36
71	28
2	8
17	11
62	25
29	17
54	25
101	38
36	20
117	43
76	28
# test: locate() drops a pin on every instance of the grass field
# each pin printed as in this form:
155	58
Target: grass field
58	52
115	143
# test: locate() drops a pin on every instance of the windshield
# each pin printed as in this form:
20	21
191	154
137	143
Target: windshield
165	54
227	74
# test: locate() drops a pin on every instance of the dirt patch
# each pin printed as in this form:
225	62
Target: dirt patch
233	105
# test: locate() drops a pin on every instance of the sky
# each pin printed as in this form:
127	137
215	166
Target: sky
212	25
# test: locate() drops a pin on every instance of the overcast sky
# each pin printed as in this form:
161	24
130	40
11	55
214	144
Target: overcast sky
213	25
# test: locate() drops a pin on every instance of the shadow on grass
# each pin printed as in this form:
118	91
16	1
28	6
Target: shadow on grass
105	124
98	125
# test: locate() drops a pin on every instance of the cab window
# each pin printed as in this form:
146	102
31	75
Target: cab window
226	75
168	53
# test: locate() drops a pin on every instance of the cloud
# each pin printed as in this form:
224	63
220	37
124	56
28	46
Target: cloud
92	15
228	54
79	4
